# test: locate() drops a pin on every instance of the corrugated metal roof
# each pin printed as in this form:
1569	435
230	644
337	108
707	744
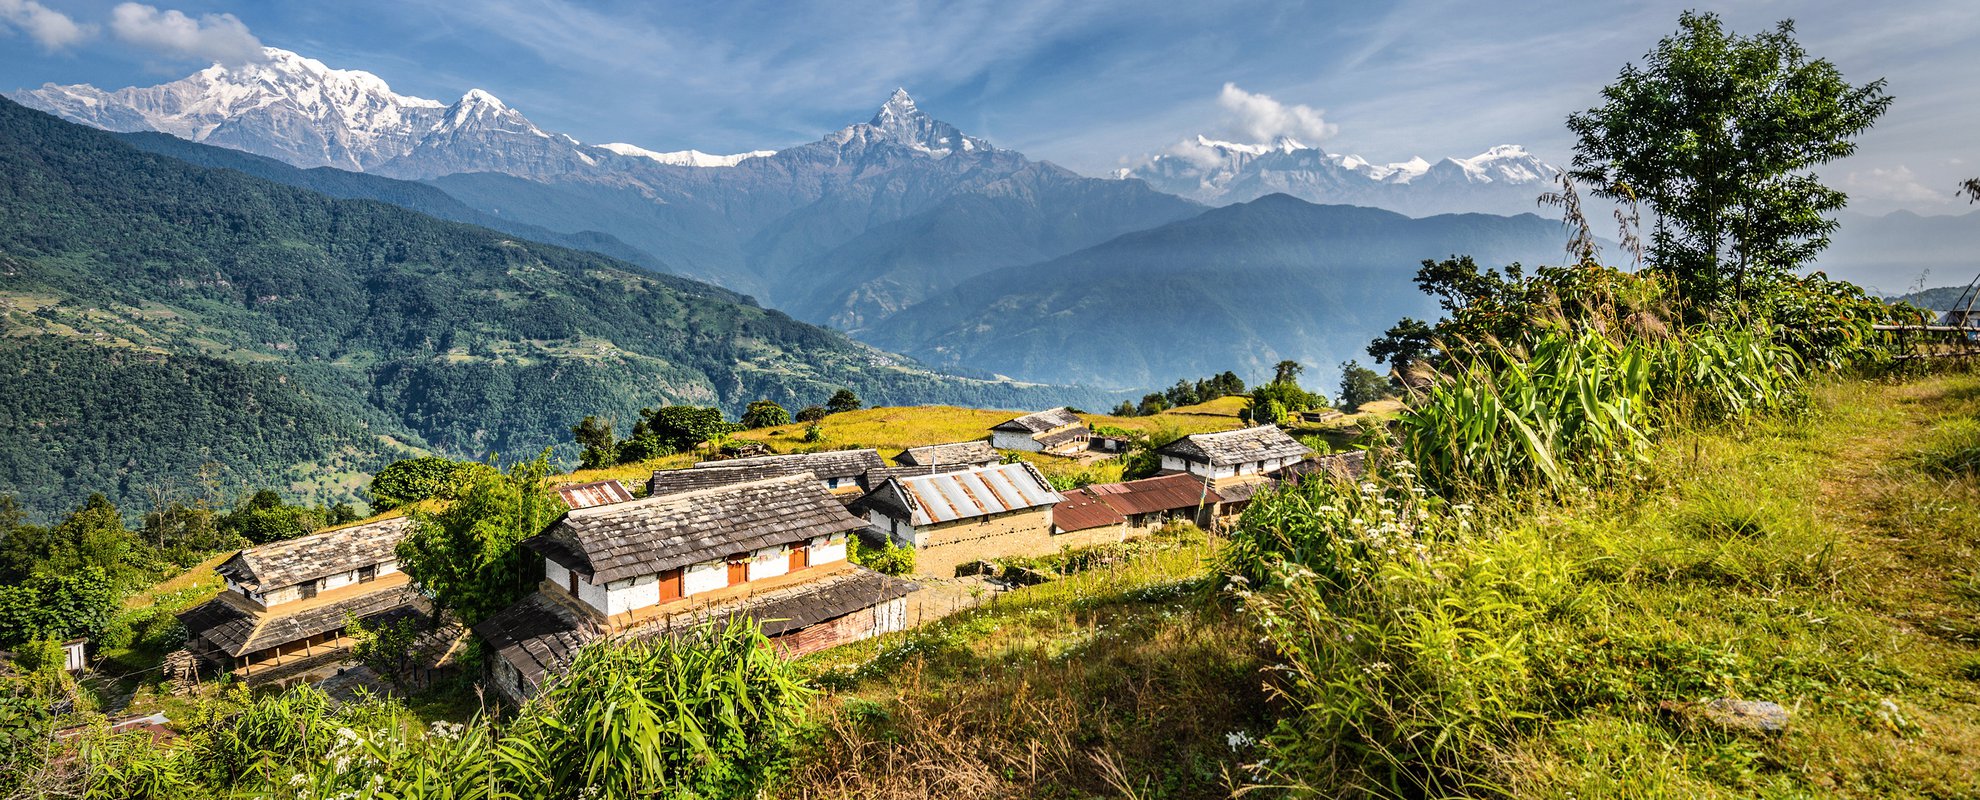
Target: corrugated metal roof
1083	511
596	493
951	496
1162	493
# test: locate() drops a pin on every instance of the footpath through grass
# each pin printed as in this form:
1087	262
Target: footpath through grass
1825	562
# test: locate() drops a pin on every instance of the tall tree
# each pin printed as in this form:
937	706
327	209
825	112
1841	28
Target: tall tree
601	448
1360	384
841	401
1719	133
1287	371
467	555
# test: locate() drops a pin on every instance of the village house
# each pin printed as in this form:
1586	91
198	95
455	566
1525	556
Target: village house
281	618
1057	431
1231	454
772	550
953	518
973	453
838	470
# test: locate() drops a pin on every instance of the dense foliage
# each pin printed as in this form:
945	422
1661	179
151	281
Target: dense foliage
765	414
410	480
711	714
467	554
56	606
1360	385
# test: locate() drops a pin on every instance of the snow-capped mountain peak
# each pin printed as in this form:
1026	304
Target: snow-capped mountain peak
1504	178
901	122
684	158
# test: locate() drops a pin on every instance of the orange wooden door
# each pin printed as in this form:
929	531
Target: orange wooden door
738	572
670	585
800	557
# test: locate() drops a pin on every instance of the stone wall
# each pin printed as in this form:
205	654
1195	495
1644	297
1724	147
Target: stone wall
1021	533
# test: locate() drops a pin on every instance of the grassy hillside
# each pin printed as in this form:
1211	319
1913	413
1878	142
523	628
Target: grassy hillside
1823	561
357	329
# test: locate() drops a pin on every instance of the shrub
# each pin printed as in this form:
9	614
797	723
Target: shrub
888	558
711	714
765	414
811	414
1403	632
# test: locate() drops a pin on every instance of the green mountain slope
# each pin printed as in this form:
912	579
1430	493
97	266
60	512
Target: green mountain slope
387	328
1239	287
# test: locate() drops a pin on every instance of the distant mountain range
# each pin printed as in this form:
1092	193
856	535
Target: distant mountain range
848	229
1240	287
908	232
156	316
1503	180
1892	253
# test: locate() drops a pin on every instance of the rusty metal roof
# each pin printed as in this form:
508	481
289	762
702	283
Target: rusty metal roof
1082	511
950	496
595	493
1162	493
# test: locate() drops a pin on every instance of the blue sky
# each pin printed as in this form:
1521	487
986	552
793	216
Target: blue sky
1091	85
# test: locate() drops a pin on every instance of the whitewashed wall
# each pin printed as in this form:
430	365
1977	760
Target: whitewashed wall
593	595
769	562
1004	440
827	549
556	574
632	593
705	577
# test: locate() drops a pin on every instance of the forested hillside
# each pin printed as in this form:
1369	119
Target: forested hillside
366	324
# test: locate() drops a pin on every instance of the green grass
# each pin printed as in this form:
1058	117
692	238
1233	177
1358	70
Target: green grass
1822	559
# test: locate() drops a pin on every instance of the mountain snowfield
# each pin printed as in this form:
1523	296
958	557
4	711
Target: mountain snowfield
1503	180
306	113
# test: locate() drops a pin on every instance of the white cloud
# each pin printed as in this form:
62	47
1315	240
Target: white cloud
53	29
1897	184
221	38
1259	118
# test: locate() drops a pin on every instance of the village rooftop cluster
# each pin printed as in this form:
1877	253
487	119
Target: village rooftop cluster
764	538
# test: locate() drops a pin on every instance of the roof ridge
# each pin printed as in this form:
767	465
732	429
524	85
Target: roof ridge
651	501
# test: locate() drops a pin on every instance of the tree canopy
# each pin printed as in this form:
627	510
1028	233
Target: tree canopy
467	555
1719	133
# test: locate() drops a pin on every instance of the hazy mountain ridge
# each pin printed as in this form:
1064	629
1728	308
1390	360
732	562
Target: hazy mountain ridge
1239	287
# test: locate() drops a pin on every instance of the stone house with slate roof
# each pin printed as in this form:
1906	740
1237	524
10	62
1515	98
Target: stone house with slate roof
838	470
282	615
1057	431
973	453
773	550
954	518
718	473
1230	454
